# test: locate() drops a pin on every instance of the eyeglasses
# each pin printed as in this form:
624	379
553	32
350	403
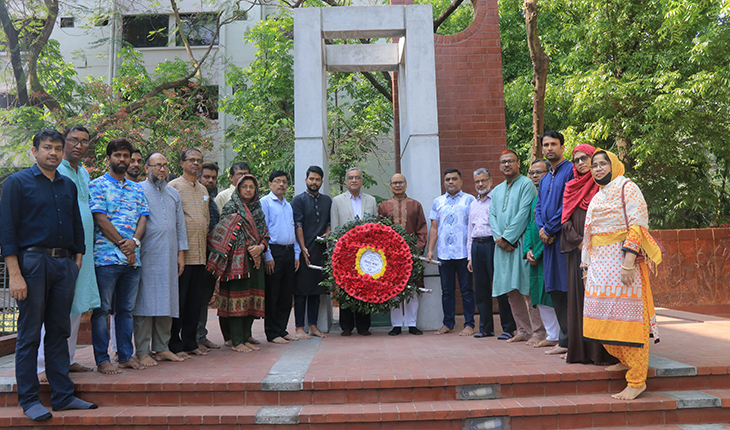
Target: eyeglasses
195	160
396	183
481	181
159	166
583	159
536	172
600	165
506	162
279	182
353	178
74	141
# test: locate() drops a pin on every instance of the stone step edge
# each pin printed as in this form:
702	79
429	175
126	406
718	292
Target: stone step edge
313	414
7	384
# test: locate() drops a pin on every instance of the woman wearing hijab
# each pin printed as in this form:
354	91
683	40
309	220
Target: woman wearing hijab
617	246
578	194
236	245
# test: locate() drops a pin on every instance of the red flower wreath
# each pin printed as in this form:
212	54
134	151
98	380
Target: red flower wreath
372	263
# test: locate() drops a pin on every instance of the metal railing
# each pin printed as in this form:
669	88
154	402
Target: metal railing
8	305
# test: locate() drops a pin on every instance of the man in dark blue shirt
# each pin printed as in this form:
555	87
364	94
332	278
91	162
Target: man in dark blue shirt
42	240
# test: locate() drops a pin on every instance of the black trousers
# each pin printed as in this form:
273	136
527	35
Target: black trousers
349	320
482	264
560	303
185	327
208	290
308	305
279	292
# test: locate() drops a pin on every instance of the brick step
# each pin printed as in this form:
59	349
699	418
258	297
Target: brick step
208	393
560	412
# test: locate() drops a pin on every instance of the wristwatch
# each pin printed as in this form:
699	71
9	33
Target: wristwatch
137	242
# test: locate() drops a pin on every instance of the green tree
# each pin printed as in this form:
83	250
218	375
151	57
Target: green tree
646	79
263	105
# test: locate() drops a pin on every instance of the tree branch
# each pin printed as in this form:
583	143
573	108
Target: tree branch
378	86
14	47
40	94
540	65
446	14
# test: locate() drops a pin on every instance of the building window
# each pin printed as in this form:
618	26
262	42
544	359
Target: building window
145	31
199	29
67	22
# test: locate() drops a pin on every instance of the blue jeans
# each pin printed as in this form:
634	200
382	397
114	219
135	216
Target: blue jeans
118	287
51	284
448	272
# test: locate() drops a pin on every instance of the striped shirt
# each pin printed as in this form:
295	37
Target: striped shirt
197	215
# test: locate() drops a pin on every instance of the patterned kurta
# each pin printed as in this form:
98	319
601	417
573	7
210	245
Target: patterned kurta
164	236
86	296
407	213
509	215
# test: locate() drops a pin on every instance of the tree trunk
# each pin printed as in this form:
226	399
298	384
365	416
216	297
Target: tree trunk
540	65
11	34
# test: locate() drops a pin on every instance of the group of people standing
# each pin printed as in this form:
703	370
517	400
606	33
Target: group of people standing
565	254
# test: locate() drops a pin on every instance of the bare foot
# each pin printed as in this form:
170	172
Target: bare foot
208	344
629	393
198	351
556	350
42	377
132	363
241	348
254	341
183	355
443	330
468	331
252	346
76	367
279	341
301	334
114	357
203	348
518	338
546	343
564	356
107	368
617	367
533	341
147	361
316	332
168	356
291	338
227	343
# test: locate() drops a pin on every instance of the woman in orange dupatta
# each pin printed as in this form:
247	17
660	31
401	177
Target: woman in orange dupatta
619	307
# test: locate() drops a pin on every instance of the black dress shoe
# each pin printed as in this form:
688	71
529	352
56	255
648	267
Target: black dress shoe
364	333
346	333
395	332
414	330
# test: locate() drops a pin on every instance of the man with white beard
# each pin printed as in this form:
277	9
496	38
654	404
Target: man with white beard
480	248
163	261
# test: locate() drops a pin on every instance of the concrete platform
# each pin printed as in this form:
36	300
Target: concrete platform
405	381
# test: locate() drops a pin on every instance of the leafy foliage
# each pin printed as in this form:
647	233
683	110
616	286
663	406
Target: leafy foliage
458	21
648	79
167	123
263	105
